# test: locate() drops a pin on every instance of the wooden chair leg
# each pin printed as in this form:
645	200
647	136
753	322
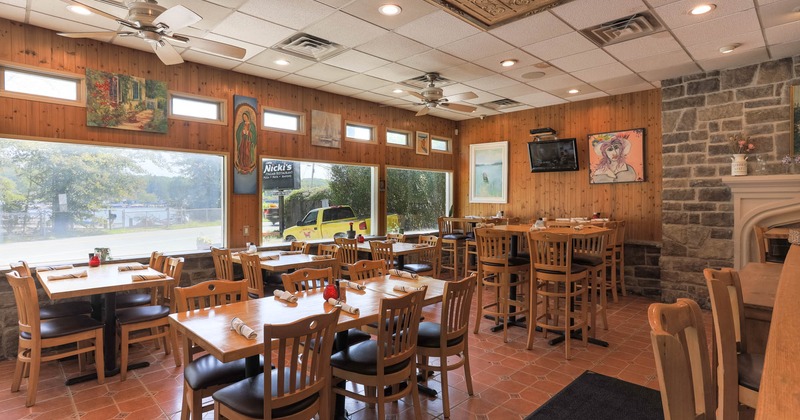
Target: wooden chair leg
621	260
123	358
99	361
479	300
173	338
33	378
19	371
467	374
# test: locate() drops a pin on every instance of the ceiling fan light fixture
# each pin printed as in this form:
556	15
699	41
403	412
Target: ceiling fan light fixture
508	62
727	49
79	10
390	10
702	9
282	62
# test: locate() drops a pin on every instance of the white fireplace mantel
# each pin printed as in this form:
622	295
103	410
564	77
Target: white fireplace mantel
766	200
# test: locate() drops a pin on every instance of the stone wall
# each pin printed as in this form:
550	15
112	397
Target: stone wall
699	114
642	272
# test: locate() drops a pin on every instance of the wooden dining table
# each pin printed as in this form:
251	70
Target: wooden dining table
101	284
288	262
399	249
759	286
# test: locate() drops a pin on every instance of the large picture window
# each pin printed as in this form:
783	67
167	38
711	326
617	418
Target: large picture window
416	198
59	201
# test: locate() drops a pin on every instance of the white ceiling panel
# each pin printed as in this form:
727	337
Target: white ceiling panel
358	31
15	3
647	46
437	28
583	97
212	14
490	83
295	14
618	82
392	47
782	34
476	47
560	82
585	13
363	82
12	13
655	62
779	13
368	11
784	50
356	61
252	50
303	81
670	72
268	57
374	97
515	90
734	60
492	62
540	99
676	15
340	90
58	9
209	59
64	25
530	73
631	88
465	72
584	60
744	22
252	30
325	72
561	46
483	96
432	60
532	29
710	50
606	72
394	72
259	71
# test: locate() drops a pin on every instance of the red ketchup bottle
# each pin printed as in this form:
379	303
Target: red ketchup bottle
330	291
94	260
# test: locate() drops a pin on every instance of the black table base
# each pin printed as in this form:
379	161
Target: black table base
93	376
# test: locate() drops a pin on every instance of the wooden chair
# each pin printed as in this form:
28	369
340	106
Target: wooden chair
348	254
738	373
304	247
383	251
141	298
764	256
387	361
251	266
398	237
205	375
54	310
449	338
452	238
498	270
366	269
291	390
557	281
223	264
331	250
681	352
173	267
592	252
617	258
428	261
44	341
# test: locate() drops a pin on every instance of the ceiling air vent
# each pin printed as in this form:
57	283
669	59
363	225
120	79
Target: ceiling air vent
309	47
421	82
624	29
501	104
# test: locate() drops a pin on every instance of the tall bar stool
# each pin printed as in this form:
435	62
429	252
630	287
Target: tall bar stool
471	246
616	258
452	238
592	252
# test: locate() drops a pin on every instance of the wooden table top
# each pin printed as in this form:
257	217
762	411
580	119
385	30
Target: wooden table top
779	393
103	279
386	286
759	284
287	262
210	328
398	248
524	228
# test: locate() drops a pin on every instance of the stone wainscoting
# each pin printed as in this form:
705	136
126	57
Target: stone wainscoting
642	270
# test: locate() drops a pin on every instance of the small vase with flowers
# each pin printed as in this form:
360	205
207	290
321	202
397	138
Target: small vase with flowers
741	147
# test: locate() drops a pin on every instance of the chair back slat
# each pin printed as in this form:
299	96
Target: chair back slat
456	302
173	267
366	269
22	268
223	264
382	251
301	246
398	325
157	261
431	255
399	237
27	304
251	267
593	245
307	279
209	294
550	252
493	246
332	250
348	250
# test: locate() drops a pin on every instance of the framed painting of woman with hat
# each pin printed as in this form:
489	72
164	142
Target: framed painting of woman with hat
616	157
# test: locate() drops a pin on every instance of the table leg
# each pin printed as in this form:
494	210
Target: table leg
339	411
578	335
400	262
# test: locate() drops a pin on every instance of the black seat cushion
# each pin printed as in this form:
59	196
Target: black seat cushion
59	327
588	260
247	396
512	262
207	371
252	295
576	268
429	333
141	314
750	368
454	236
58	310
354	336
363	358
132	299
418	267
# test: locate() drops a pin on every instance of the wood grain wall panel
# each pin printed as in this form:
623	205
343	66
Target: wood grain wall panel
560	194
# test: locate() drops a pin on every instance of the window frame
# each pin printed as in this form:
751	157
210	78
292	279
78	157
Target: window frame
447	140
222	104
409	138
449	188
372	129
301	120
79	79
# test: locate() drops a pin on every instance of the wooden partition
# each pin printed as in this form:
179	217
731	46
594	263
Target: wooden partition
561	194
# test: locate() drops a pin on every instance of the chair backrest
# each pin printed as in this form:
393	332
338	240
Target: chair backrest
22	268
681	352
431	255
310	340
761	241
348	250
729	281
382	251
592	245
398	324
619	238
209	294
157	260
446	225
551	253
307	279
397	237
613	227
173	267
493	246
251	266
27	304
366	269
333	251
456	302
223	264
304	247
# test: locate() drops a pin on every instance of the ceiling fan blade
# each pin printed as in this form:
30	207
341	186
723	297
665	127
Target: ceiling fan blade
459	107
167	53
106	34
423	111
215	47
415	94
461	96
92	9
176	18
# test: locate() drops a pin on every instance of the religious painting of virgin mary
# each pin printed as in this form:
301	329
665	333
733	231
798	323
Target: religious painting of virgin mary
616	157
245	152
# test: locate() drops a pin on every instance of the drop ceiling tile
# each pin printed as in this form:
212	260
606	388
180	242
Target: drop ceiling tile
676	15
659	3
561	46
437	28
450	115
656	62
664	73
210	59
517	108
363	82
515	90
251	50
234	4
253	30
765	2
631	88
392	47
583	88
13	13
744	22
135	43
483	97
340	90
608	71
476	47
358	31
652	45
59	24
17	3
532	29
578	98
492	62
295	14
212	14
540	99
432	60
268	57
456	89
373	97
465	72
58	10
735	59
368	10
619	82
710	50
783	34
583	14
334	3
584	60
490	83
784	50
779	13
560	82
303	81
524	74
325	72
259	71
356	61
394	72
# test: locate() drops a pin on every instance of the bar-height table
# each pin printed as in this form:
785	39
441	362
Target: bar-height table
399	249
101	284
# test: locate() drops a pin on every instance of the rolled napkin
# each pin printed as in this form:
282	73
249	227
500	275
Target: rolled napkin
484	225
352	285
321	257
143	277
68	276
249	252
270	257
562	219
240	327
345	307
54	267
403	274
284	295
132	267
534	227
406	289
420	245
794	236
291	252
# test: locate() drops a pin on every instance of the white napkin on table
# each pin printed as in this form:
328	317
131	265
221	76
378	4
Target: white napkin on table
240	327
54	267
284	295
132	267
352	285
143	277
270	257
68	276
407	289
345	307
321	257
403	274
420	245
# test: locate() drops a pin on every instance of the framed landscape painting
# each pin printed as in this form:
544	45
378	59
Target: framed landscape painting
488	172
326	129
616	157
125	102
795	95
423	143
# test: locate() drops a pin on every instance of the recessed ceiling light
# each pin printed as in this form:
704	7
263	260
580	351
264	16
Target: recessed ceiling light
533	75
508	62
573	91
702	9
281	62
398	91
80	10
729	48
390	10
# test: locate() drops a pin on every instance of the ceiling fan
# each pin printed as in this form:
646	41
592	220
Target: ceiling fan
156	25
432	97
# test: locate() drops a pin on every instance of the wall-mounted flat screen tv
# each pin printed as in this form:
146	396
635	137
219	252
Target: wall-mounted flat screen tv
553	155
